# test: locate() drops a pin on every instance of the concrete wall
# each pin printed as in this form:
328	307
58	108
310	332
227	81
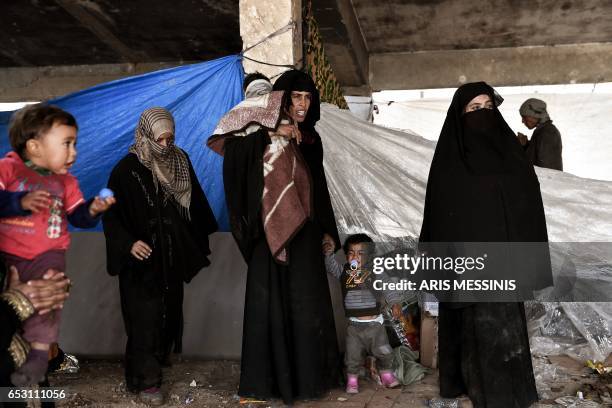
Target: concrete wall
213	308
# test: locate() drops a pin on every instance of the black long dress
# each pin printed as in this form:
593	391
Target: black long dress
9	326
481	188
289	346
152	290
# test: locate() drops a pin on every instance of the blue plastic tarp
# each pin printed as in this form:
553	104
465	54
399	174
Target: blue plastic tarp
197	95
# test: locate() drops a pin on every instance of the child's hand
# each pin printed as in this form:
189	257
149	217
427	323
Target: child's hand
328	245
396	311
100	205
36	201
328	248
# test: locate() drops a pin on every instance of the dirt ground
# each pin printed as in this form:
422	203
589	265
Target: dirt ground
100	383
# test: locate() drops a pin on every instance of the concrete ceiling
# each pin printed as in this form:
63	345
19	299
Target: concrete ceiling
372	45
394	34
73	32
400	26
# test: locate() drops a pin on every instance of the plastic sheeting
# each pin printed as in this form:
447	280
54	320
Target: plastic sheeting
580	111
580	330
197	95
377	179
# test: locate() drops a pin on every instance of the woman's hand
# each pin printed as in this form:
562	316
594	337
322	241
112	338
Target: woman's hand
289	132
141	250
36	201
46	294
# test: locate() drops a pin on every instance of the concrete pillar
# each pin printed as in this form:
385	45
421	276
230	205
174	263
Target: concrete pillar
260	18
360	106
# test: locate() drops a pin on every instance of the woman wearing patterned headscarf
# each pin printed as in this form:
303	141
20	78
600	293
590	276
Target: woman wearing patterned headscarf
545	147
289	345
156	239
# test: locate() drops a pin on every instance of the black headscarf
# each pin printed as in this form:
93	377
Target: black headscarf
295	80
481	186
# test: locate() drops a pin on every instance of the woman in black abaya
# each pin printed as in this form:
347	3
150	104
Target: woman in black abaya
156	239
289	346
481	188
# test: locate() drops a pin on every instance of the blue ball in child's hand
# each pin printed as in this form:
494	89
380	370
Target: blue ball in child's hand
106	193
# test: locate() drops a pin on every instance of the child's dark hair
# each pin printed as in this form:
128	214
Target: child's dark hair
252	77
355	239
34	121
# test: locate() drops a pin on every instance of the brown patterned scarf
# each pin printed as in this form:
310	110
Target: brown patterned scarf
285	202
261	107
169	165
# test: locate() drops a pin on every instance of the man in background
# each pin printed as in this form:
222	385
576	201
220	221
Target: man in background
544	148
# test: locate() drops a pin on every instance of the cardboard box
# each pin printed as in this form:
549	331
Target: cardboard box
429	340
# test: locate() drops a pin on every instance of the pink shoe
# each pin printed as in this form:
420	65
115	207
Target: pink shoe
152	396
388	379
352	384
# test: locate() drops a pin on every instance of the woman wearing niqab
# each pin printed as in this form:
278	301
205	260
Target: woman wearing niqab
289	345
481	188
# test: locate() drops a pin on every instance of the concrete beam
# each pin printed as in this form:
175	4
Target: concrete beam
93	23
17	59
356	38
344	43
261	18
542	65
41	83
363	90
